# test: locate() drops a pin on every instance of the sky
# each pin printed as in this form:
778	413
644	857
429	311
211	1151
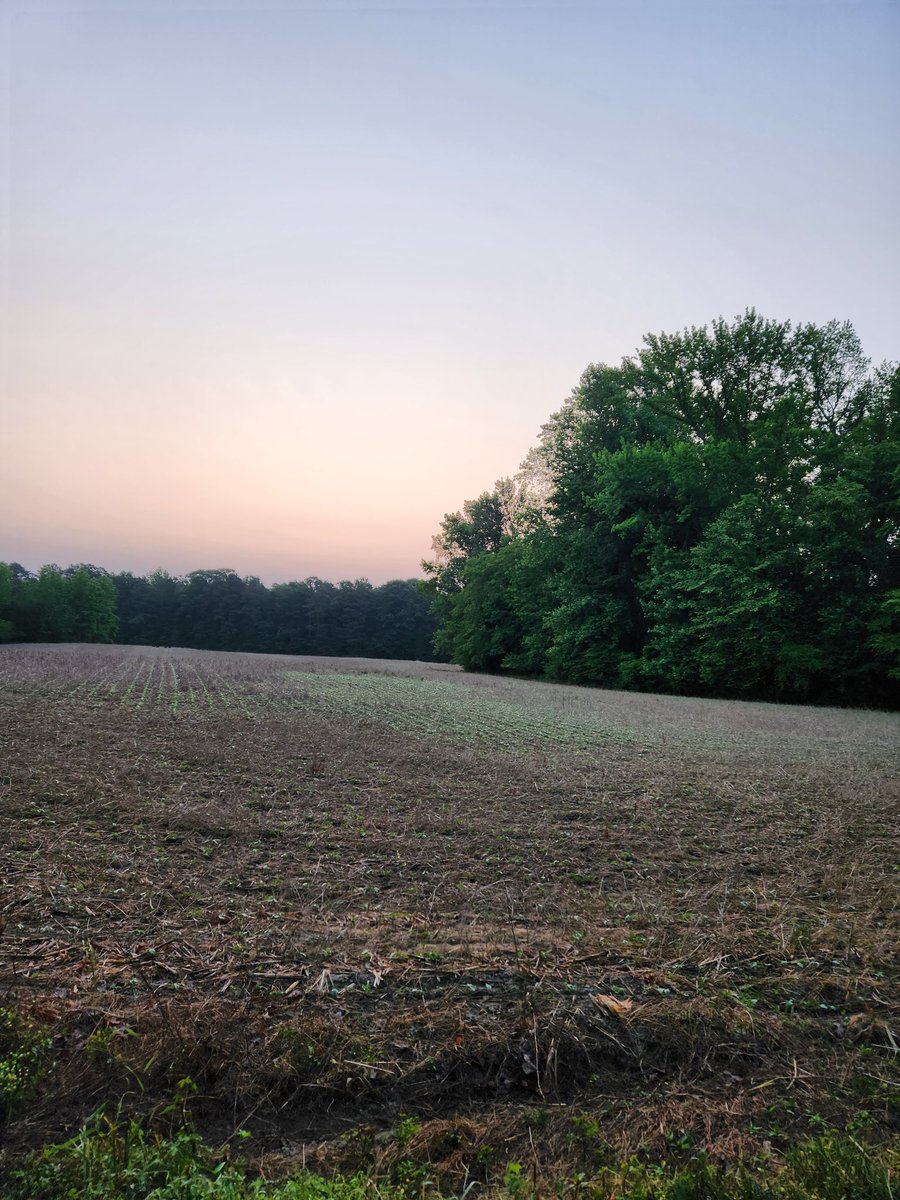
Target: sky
284	283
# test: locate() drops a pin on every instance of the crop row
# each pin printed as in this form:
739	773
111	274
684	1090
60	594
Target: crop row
447	711
178	685
184	685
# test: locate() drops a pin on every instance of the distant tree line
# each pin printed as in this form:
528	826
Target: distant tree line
216	610
718	515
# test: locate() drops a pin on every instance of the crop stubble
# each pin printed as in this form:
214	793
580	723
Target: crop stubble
334	890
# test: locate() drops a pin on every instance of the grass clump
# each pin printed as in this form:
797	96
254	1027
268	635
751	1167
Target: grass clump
829	1168
111	1161
119	1160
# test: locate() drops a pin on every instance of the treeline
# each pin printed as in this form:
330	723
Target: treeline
216	610
718	515
77	604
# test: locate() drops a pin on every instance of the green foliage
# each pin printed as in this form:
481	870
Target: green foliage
216	610
446	711
122	1160
721	515
8	631
92	600
829	1168
886	636
109	1161
23	1052
481	625
406	1129
75	604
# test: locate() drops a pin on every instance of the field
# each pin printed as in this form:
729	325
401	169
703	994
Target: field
380	910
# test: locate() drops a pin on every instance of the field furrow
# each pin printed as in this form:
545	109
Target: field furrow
333	891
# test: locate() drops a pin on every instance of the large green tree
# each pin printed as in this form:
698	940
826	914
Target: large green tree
722	515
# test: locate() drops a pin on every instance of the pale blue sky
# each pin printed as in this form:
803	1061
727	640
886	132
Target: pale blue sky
288	282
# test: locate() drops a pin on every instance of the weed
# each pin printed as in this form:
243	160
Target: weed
23	1055
406	1129
99	1045
515	1181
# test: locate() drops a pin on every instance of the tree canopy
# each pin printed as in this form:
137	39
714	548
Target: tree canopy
719	514
216	610
77	604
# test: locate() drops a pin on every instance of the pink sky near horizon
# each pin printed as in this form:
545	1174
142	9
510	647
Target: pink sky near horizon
238	472
285	286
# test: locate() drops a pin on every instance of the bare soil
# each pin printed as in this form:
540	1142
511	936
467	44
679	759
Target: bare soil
554	924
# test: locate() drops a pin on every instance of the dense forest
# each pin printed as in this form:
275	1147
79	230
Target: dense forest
215	610
719	514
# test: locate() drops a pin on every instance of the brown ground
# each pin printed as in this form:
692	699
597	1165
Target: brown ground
627	923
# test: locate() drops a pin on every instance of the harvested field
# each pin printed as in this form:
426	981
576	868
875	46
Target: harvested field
553	924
